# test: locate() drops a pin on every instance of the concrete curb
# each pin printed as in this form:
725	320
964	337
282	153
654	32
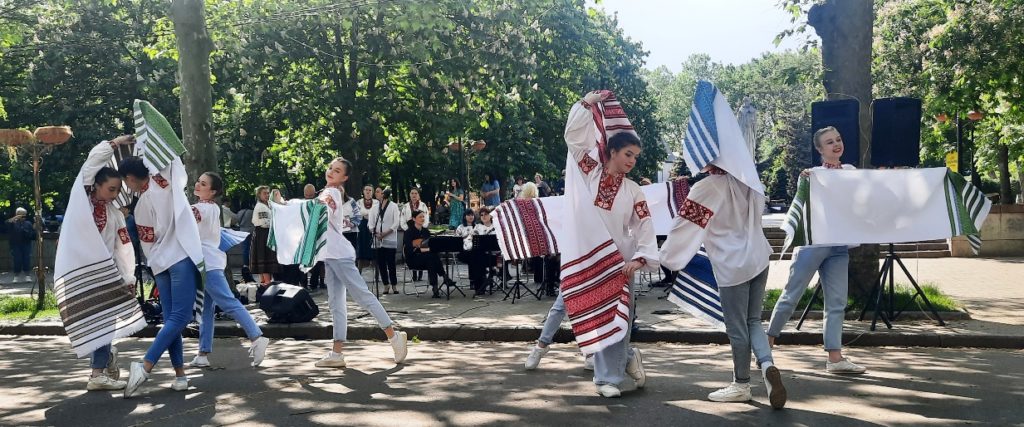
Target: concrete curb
314	331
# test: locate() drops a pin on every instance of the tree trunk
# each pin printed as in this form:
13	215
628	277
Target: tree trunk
1005	191
194	47
845	28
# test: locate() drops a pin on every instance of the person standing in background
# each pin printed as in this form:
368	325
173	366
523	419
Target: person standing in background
21	234
490	191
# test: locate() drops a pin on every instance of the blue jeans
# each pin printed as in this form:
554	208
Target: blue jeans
218	293
832	264
100	357
21	257
741	305
553	322
177	287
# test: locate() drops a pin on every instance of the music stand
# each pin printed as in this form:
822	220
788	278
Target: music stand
878	293
488	245
518	286
446	245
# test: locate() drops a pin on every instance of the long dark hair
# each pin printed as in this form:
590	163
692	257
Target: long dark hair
412	220
468	212
217	184
621	140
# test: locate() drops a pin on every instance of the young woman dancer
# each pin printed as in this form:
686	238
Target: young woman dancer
208	188
343	276
101	185
600	180
831	263
171	245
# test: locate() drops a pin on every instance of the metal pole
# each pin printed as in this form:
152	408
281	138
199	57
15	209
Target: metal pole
40	269
959	146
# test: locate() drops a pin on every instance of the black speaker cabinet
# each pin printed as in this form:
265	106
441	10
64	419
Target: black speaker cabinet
896	132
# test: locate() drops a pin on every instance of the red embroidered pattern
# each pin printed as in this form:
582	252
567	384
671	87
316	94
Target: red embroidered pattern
696	213
123	234
160	181
607	189
587	164
330	202
641	210
146	234
195	213
828	165
99	214
535	234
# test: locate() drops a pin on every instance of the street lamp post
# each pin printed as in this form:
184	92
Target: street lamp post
36	146
477	146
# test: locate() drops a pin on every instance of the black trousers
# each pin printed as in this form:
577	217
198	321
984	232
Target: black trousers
477	263
316	275
428	261
386	266
546	271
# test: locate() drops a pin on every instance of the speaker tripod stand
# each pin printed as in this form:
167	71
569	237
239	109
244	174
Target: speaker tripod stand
884	302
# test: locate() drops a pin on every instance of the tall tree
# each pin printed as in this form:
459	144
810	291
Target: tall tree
845	28
194	47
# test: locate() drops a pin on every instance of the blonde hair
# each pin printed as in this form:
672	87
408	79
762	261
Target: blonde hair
822	131
529	191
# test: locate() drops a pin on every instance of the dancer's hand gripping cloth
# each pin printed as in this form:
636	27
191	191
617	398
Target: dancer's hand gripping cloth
596	244
161	151
94	286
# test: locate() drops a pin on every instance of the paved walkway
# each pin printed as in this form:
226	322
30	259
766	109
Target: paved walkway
484	384
991	291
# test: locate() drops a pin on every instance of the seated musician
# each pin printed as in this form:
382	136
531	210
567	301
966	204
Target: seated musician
417	252
477	260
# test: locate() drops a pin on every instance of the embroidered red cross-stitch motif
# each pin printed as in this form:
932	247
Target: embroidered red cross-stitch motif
608	189
696	213
160	181
122	233
195	213
146	234
99	214
641	210
587	164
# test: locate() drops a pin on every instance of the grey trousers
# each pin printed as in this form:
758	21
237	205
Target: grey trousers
742	306
342	276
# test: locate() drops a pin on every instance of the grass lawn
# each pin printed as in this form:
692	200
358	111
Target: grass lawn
941	301
20	309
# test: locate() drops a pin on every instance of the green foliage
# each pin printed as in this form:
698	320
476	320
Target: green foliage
780	85
386	84
940	300
11	305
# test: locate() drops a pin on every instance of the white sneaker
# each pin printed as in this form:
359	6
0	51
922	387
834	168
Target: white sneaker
103	382
735	392
844	366
400	344
180	384
28	278
258	350
199	361
136	376
113	368
635	368
535	355
773	383
588	362
331	360
608	390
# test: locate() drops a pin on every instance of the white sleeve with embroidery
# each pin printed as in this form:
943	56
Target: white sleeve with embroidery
642	224
98	158
690	226
581	133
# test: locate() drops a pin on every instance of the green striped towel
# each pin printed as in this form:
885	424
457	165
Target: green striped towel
298	231
966	204
155	140
893	206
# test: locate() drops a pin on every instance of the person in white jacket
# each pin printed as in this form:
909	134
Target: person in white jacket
384	226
